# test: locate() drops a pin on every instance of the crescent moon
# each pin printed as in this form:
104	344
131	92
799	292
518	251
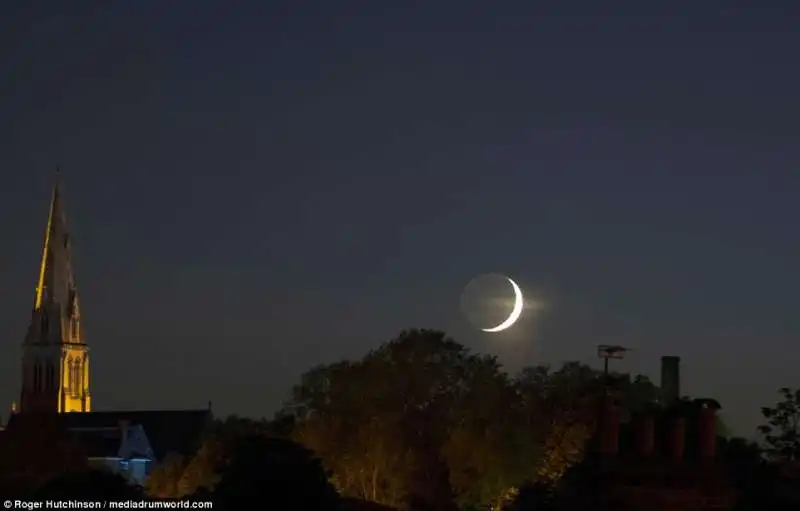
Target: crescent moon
516	312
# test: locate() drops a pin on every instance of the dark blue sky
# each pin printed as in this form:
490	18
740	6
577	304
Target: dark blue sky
257	187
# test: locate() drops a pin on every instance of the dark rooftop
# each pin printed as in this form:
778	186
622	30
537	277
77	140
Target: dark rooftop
178	431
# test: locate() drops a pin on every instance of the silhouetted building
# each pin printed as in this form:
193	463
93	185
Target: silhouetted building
128	443
668	462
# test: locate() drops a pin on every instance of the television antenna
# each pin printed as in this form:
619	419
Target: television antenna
608	352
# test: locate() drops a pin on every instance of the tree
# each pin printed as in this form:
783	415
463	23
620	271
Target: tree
340	418
490	445
234	427
782	430
280	471
204	469
281	426
202	472
177	476
562	406
383	423
162	483
421	418
33	452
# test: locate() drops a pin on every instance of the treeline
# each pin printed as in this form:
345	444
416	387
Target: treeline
419	423
423	423
422	419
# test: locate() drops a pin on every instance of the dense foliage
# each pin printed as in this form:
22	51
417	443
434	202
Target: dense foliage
423	419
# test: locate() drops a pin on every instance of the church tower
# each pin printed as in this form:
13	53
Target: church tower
55	357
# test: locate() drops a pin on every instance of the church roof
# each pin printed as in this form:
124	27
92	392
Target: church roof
178	431
99	442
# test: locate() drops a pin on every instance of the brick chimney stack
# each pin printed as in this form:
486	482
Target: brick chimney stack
707	428
670	380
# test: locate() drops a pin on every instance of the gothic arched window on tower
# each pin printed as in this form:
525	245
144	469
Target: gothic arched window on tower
78	378
50	376
37	376
72	382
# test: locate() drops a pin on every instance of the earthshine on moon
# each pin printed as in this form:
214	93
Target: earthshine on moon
516	312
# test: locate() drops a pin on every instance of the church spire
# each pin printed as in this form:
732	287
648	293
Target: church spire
55	211
55	356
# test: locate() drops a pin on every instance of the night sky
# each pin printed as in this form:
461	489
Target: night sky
257	187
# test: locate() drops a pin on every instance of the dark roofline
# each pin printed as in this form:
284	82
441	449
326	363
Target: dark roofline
179	431
148	410
116	412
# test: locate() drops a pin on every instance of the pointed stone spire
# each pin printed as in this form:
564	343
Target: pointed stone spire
55	355
54	224
56	292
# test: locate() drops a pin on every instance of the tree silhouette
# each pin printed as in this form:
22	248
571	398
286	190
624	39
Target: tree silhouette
381	423
163	481
33	452
281	472
180	476
202	472
750	473
535	496
421	410
562	410
782	430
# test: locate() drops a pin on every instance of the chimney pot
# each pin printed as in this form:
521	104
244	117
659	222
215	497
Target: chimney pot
707	430
670	379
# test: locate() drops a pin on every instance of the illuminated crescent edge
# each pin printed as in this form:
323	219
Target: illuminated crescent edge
516	312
